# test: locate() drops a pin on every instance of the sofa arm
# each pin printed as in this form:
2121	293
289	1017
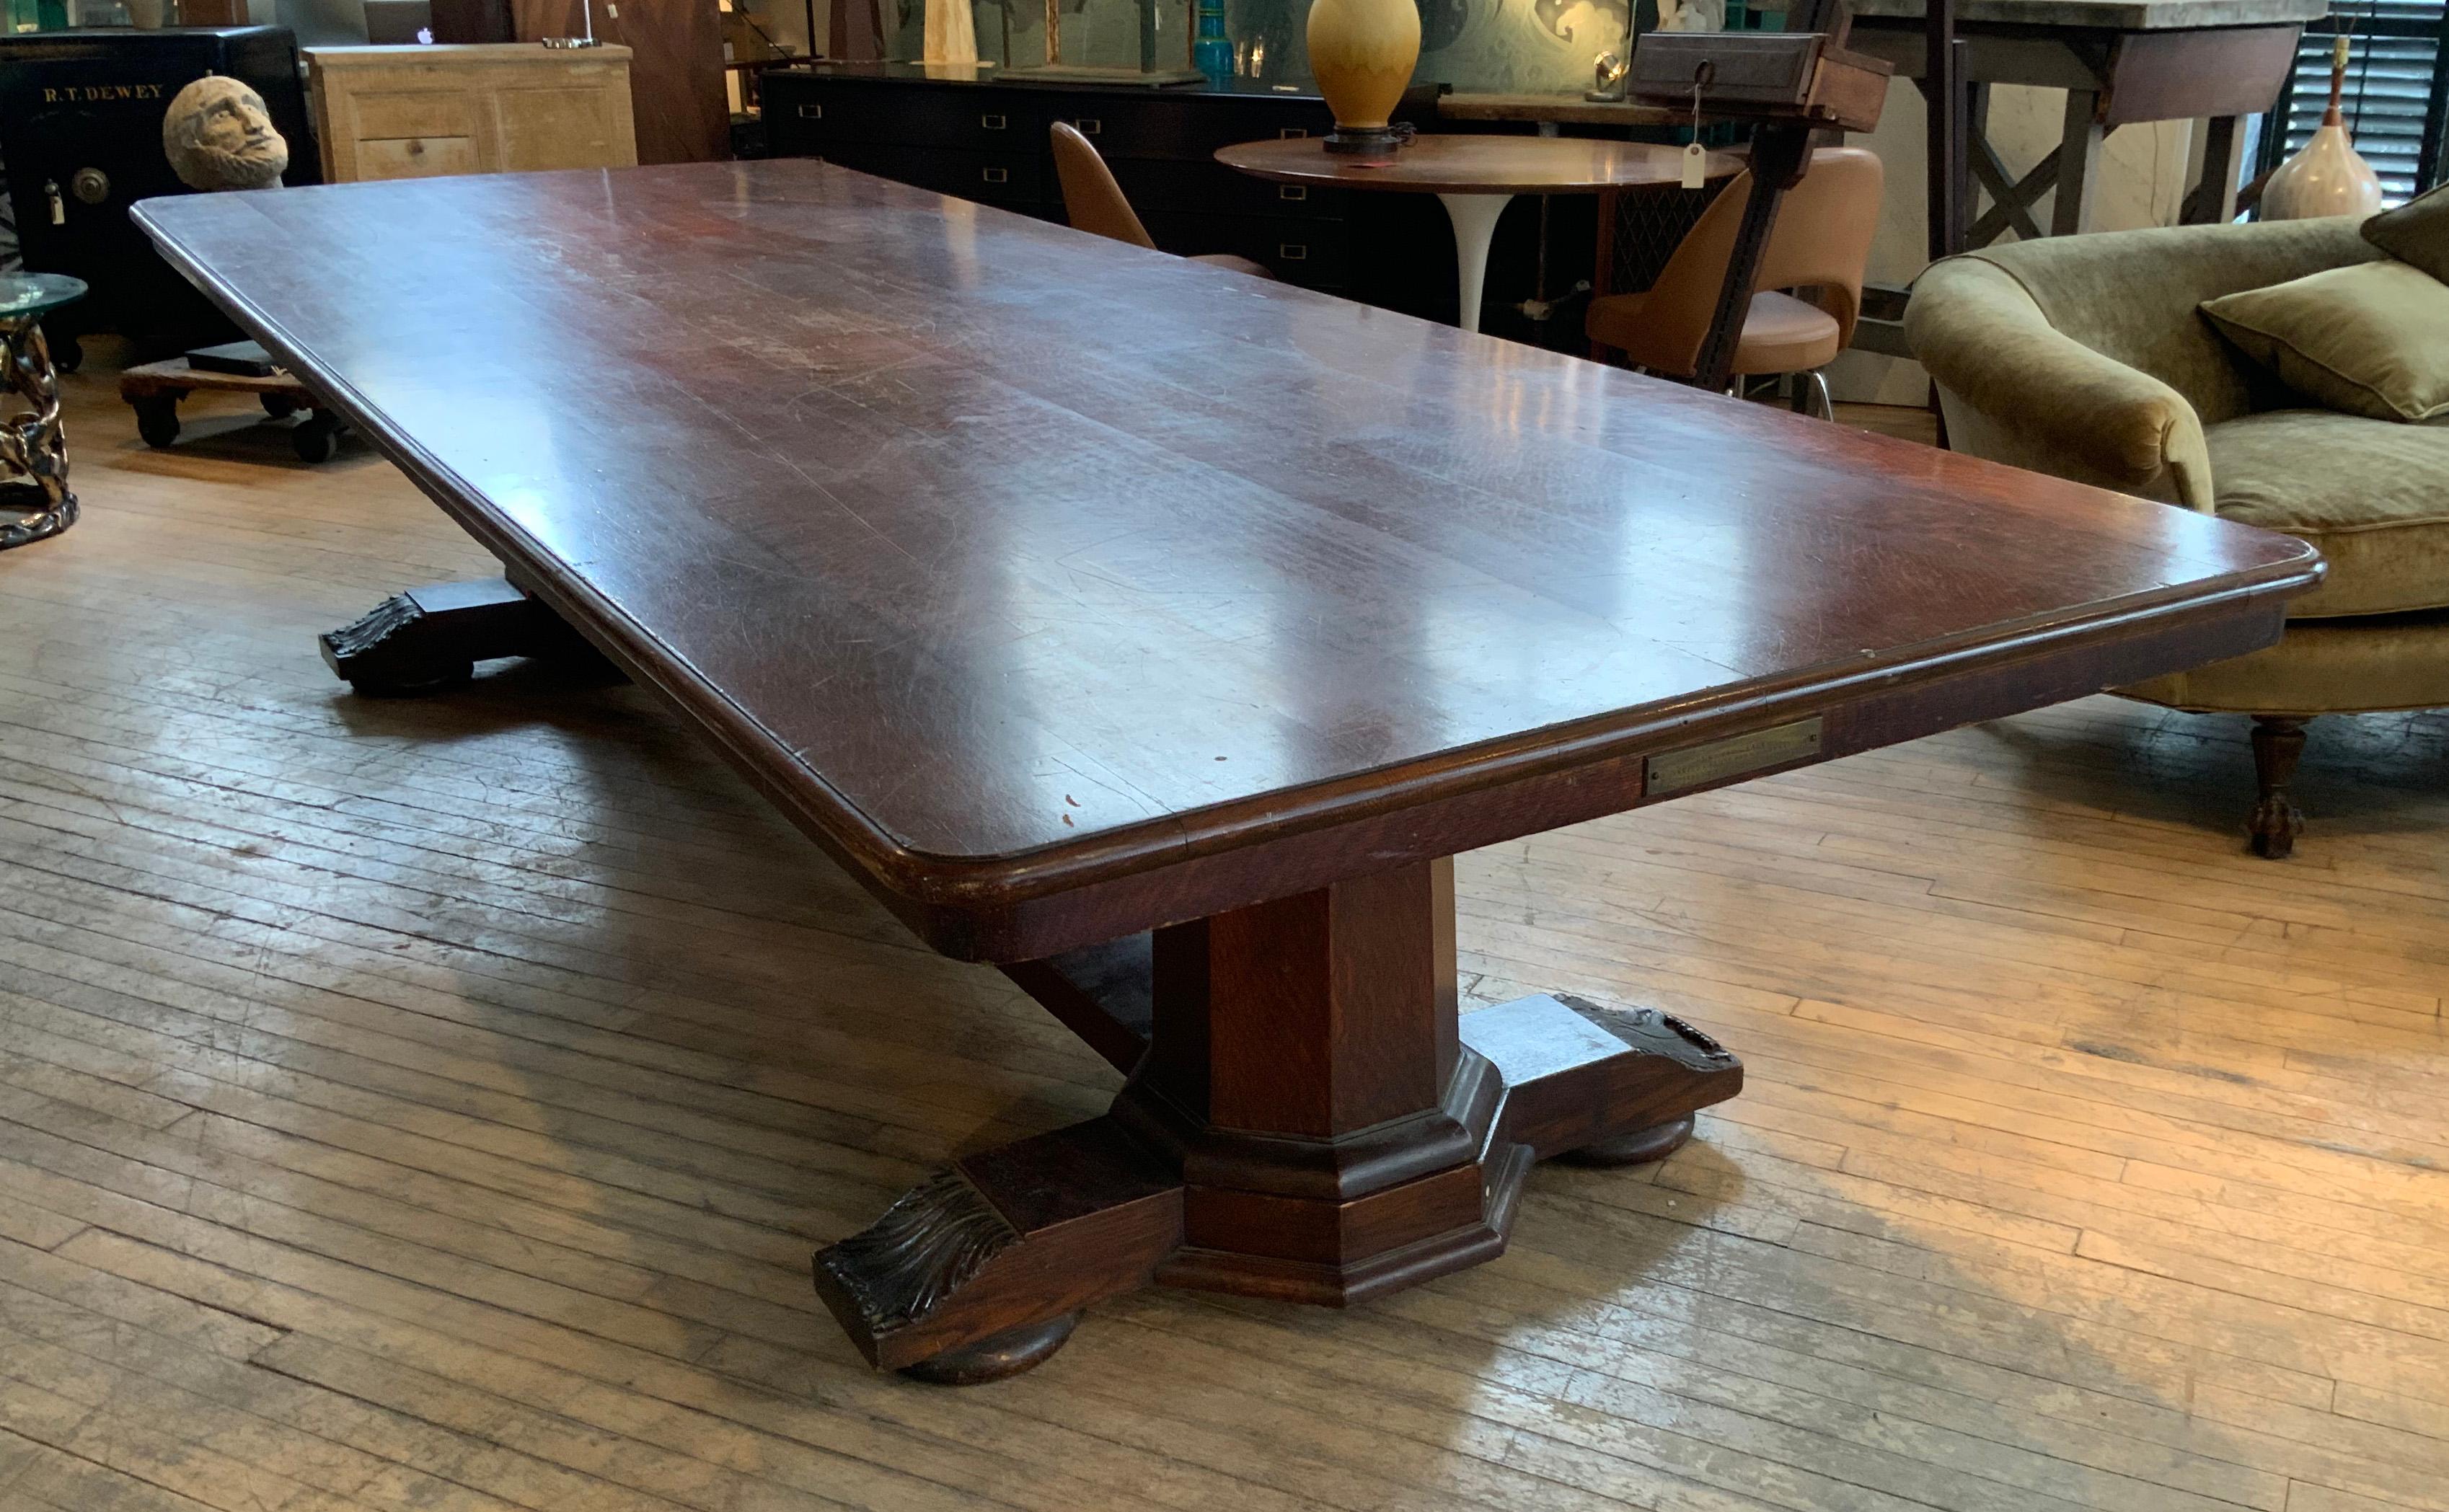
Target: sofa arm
2044	401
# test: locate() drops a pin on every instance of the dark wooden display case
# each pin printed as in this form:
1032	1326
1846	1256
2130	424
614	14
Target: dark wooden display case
985	139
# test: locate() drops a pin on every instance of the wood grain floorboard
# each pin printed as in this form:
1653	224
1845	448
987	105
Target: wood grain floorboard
432	1105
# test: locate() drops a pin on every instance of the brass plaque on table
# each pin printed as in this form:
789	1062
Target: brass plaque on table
1753	750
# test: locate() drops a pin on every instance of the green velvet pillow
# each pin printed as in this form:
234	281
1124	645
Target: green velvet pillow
2370	338
2416	232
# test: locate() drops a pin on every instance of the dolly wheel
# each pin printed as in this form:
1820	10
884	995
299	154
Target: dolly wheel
157	419
316	439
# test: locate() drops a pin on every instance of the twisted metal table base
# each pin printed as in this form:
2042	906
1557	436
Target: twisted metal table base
32	445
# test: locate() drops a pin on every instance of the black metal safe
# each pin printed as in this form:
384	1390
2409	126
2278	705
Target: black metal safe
81	139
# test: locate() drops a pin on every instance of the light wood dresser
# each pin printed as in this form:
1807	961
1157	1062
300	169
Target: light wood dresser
417	112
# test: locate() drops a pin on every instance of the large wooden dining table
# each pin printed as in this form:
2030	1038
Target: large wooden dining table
1157	634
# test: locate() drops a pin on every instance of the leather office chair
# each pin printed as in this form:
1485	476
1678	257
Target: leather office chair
1822	243
1094	203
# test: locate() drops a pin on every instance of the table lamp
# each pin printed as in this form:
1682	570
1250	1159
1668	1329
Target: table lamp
2329	176
1362	53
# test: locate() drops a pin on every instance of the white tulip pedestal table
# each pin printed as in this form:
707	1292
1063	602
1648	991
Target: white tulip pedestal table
1476	177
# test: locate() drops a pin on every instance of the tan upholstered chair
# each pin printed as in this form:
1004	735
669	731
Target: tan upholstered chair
1822	243
2084	357
1093	201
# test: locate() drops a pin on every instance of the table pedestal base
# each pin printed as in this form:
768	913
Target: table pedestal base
1307	1119
1474	217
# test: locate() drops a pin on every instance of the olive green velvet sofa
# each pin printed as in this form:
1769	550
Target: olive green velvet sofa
2084	357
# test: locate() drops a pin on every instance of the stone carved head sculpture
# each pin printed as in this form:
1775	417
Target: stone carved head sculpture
219	135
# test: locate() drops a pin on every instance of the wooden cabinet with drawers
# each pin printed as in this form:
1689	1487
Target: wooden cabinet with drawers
415	112
986	140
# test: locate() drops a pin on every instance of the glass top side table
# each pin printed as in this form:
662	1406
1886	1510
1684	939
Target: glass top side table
35	504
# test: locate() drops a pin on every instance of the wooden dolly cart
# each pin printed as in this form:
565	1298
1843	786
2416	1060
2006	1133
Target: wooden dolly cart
155	388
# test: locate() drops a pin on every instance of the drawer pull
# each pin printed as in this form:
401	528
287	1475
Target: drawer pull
991	123
1293	133
812	112
1293	251
1292	191
1089	126
995	175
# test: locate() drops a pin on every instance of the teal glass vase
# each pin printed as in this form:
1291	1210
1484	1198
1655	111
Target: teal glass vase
1211	50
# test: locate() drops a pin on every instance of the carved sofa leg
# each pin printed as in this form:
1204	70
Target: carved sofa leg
2278	741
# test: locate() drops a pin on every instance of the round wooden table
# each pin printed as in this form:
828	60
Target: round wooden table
1476	177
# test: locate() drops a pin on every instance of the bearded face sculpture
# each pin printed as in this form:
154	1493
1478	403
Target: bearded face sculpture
219	135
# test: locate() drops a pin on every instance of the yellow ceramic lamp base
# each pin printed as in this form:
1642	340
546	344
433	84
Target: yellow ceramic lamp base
1362	53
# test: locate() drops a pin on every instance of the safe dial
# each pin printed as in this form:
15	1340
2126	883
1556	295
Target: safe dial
91	185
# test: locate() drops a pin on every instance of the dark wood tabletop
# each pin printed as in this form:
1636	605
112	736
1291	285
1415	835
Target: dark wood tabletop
1477	165
1013	561
1159	633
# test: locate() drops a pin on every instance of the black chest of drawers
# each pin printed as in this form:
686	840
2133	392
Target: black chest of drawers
986	140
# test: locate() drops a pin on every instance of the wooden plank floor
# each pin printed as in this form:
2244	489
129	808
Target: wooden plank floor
432	1104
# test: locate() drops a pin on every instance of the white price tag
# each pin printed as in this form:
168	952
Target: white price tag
1696	159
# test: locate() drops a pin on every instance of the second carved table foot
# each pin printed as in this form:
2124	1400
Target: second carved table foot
431	637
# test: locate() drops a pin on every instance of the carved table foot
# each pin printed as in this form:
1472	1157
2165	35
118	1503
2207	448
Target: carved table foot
433	637
1600	1086
982	1270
